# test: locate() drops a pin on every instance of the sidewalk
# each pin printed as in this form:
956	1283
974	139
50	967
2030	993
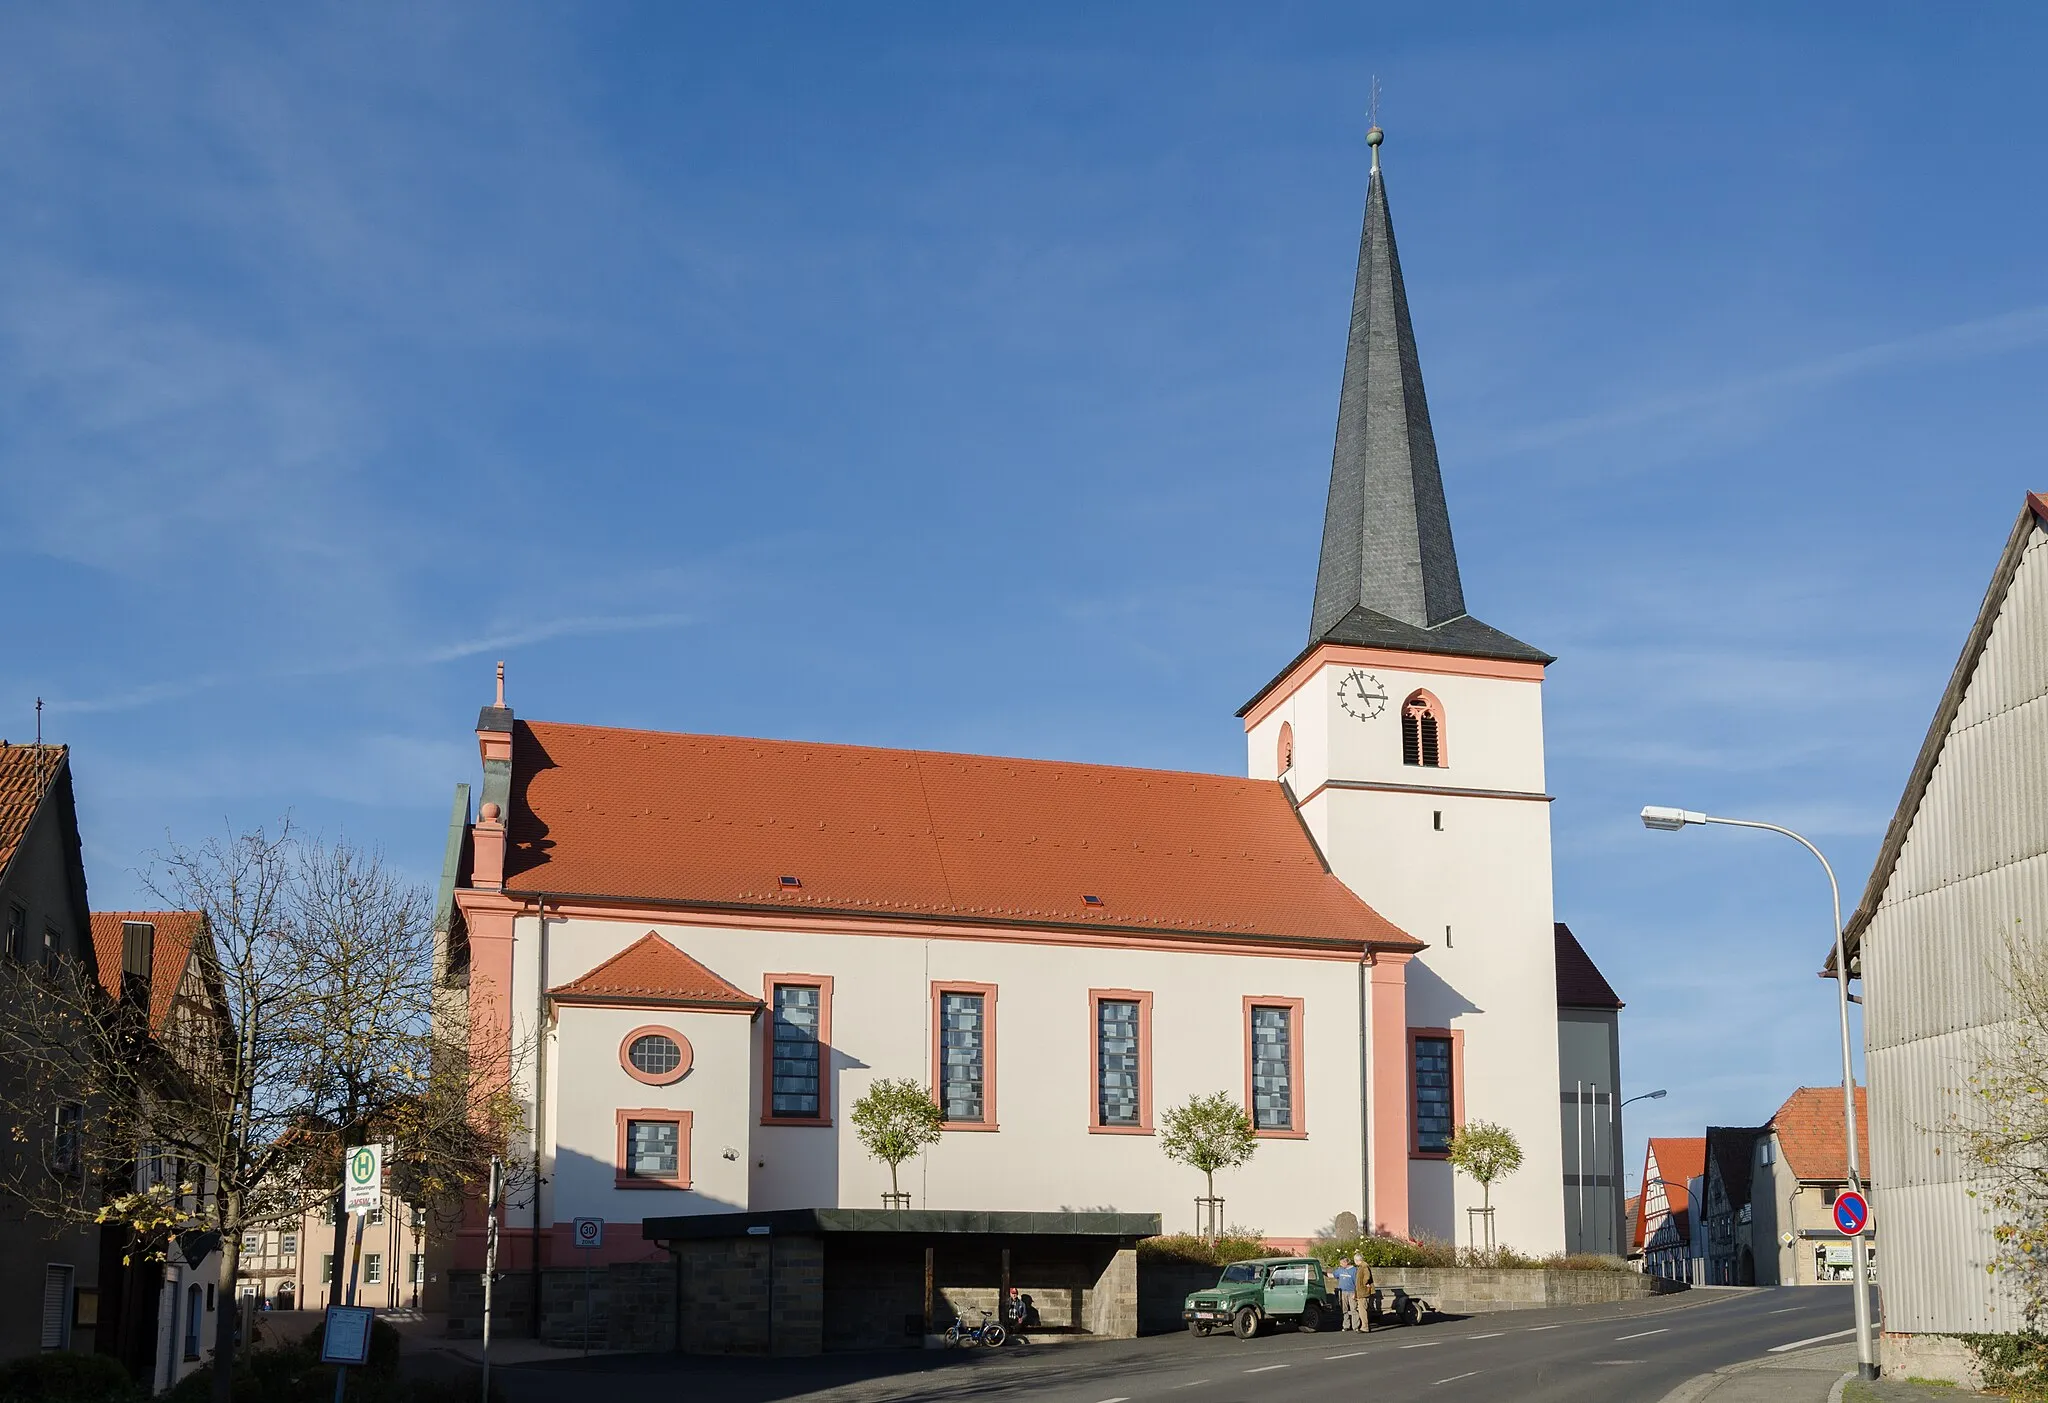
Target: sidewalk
1822	1375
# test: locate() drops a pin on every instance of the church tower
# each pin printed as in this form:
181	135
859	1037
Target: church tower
1410	736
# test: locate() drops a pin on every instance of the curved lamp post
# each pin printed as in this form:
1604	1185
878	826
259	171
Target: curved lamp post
1658	1095
1671	820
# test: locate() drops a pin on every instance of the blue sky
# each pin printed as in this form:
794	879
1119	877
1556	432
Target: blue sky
965	377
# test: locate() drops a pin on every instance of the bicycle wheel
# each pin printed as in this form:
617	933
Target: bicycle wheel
994	1335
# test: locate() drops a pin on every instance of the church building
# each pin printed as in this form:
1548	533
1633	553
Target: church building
702	950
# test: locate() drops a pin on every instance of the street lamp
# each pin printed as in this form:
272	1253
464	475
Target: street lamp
1658	1095
1670	821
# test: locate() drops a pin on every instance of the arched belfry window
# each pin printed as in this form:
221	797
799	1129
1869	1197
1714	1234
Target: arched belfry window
1422	731
1286	758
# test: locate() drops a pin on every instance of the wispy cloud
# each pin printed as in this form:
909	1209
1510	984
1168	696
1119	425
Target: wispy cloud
583	626
2017	330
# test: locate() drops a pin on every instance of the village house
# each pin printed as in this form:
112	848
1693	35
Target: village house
1802	1166
1666	1209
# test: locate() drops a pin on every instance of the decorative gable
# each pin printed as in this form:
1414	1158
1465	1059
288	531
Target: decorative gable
651	973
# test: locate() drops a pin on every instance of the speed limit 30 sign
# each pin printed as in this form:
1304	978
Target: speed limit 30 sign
588	1232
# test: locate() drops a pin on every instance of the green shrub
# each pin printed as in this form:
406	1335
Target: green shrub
1388	1252
1236	1245
67	1378
2014	1365
293	1373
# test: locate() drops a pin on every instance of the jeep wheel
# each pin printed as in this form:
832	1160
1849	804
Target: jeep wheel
1246	1322
1312	1318
1199	1330
1411	1312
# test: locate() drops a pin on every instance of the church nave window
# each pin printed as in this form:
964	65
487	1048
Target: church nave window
1422	731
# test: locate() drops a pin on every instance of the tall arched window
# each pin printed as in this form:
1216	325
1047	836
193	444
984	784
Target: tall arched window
1422	731
1286	759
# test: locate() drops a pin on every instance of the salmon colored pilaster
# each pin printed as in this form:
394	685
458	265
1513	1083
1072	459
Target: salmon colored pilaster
489	917
487	846
1389	1105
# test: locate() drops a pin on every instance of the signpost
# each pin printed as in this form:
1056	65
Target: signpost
1852	1214
347	1337
364	1181
588	1234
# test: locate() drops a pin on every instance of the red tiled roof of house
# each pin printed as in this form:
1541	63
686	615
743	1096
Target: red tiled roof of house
171	951
25	775
720	820
652	971
1675	1160
1632	1209
1809	1127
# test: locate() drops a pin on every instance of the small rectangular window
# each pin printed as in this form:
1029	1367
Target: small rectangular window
416	1268
377	1213
1117	1053
252	1244
651	1149
1433	1096
962	1051
17	933
373	1268
327	1267
1272	1067
56	1306
67	1139
798	1010
288	1244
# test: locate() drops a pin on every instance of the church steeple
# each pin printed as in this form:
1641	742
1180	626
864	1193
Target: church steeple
1389	572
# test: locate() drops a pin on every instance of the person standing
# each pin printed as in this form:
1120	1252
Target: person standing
1364	1297
1347	1292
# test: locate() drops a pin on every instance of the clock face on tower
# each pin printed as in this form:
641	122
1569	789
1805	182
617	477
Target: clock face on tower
1361	695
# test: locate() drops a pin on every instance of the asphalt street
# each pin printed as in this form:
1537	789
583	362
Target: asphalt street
1633	1353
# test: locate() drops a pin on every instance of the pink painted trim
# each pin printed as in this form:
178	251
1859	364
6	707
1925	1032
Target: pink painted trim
1389	1135
1298	1108
622	1243
682	1068
823	984
1457	1040
681	1119
487	854
1272	947
1143	999
1343	654
490	919
988	1050
1443	731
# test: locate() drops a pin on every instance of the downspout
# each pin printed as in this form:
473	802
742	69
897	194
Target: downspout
540	1094
1364	1092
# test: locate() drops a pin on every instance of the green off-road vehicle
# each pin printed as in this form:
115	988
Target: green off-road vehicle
1252	1295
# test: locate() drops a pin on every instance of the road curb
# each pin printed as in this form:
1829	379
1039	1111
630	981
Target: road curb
1701	1385
1835	1393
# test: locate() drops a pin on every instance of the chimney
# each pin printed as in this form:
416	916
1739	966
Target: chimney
138	958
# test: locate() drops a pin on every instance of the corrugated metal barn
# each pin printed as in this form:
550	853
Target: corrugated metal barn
1964	862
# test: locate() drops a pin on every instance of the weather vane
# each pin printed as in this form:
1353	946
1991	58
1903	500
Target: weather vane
1373	135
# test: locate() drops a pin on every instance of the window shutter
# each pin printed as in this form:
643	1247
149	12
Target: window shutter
56	1306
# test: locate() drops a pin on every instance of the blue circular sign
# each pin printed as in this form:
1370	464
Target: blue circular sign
1852	1213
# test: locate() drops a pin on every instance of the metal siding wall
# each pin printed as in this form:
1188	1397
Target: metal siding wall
1973	865
1975	862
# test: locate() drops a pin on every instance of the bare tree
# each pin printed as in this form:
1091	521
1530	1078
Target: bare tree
312	1029
2002	1126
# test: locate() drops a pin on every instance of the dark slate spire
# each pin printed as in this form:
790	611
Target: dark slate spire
1389	573
1386	533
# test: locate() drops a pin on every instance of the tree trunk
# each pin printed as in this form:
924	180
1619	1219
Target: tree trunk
226	1314
895	1189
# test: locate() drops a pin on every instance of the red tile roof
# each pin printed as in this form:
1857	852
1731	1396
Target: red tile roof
1675	1160
720	820
652	971
1809	1127
1580	984
171	952
25	775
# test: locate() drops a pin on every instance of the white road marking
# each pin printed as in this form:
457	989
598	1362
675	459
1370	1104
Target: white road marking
1192	1383
1782	1310
1265	1368
1355	1354
1494	1336
1455	1377
1813	1340
1426	1344
1540	1327
1644	1334
1120	1398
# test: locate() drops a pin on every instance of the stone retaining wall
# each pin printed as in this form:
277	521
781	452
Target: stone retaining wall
1163	1285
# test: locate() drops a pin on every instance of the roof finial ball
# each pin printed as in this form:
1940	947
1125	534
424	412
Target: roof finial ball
1373	137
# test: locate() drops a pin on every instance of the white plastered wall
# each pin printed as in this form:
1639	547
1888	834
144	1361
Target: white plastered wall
1042	1157
1485	874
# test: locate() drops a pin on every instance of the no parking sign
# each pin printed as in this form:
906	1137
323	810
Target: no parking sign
1852	1213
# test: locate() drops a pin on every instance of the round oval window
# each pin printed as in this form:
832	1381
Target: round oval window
655	1054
